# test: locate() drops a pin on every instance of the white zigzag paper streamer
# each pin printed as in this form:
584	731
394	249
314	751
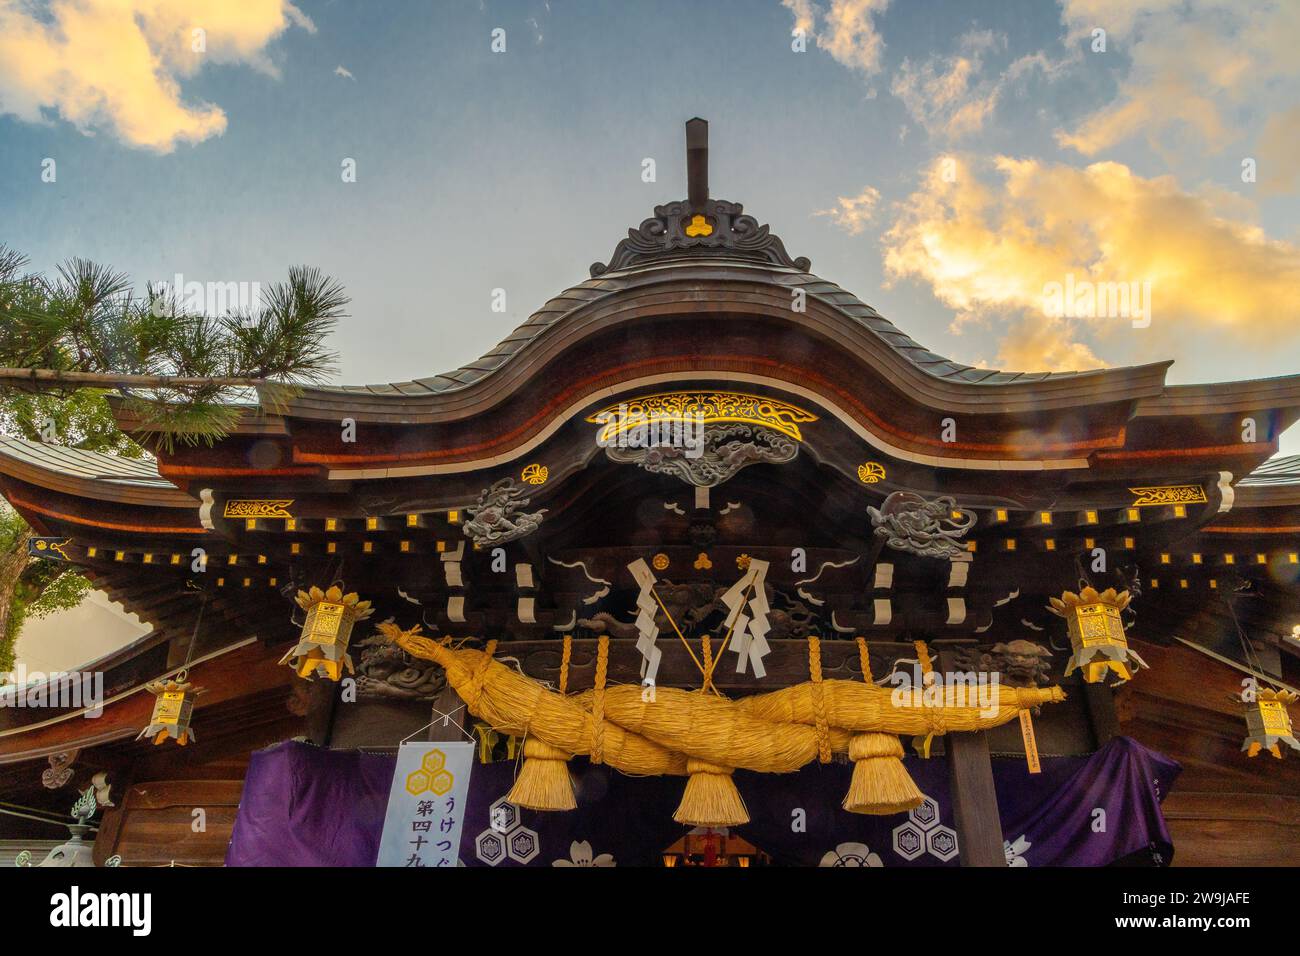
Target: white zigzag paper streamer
749	631
645	621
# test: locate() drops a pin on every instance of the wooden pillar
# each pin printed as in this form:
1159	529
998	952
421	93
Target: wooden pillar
448	702
974	801
1102	718
697	163
322	699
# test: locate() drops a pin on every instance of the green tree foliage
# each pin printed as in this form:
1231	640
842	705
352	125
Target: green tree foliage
82	419
40	588
180	372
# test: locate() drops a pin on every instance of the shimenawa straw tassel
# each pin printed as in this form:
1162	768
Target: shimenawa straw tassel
711	798
880	783
544	782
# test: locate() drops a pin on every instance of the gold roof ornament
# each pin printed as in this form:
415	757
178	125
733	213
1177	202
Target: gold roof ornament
706	407
1097	634
1269	723
172	710
322	649
699	226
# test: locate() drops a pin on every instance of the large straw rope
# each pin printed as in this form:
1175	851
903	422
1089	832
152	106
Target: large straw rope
773	732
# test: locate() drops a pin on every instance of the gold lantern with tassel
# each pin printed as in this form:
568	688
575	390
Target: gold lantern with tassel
172	709
1097	634
1269	723
322	650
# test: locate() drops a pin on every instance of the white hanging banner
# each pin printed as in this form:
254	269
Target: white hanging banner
426	804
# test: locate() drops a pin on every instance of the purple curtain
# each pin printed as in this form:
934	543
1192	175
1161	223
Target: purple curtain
303	806
1048	819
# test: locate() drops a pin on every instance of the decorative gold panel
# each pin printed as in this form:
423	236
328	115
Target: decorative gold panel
1168	495
707	407
258	508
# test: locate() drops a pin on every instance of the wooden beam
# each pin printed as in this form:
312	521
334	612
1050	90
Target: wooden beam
974	801
452	727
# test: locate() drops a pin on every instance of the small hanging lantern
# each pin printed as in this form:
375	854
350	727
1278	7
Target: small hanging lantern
1268	722
322	650
1097	634
172	708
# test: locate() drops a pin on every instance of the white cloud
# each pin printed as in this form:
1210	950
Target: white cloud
852	213
1279	152
1199	73
117	64
848	30
948	95
989	247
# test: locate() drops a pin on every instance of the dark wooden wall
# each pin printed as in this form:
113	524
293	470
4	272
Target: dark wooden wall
1225	809
153	823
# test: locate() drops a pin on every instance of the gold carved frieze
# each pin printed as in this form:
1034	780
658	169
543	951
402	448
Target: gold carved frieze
258	508
1158	495
703	408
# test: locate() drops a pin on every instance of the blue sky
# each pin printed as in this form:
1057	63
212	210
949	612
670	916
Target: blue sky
478	170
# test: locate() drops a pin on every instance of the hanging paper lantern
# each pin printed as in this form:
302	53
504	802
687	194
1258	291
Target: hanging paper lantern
322	650
1097	634
172	708
1268	723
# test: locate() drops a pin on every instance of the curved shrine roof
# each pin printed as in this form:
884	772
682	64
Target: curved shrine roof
610	283
89	474
79	463
1282	470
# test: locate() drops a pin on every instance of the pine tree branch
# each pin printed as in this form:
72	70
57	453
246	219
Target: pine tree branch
45	379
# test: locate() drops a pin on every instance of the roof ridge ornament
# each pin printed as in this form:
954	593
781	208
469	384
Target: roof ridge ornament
699	225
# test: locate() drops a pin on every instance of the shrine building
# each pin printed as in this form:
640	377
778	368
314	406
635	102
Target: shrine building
712	564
